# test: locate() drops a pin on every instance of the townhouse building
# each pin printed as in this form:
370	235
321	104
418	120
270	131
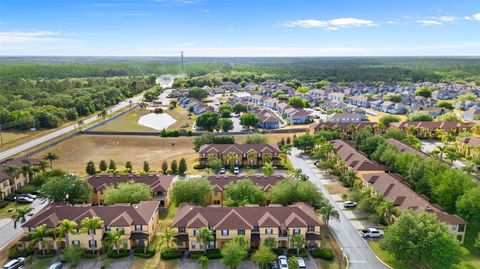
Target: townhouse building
139	223
428	128
256	223
9	183
393	187
219	182
468	146
346	118
337	96
240	154
359	100
159	185
404	147
471	114
356	160
343	127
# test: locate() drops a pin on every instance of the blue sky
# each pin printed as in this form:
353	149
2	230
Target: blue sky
240	27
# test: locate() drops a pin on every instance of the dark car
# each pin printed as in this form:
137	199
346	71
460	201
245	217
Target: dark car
24	200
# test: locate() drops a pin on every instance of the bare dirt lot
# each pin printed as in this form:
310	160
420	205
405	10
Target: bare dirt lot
76	152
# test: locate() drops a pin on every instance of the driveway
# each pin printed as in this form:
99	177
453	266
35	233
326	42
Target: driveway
8	233
213	264
354	246
429	145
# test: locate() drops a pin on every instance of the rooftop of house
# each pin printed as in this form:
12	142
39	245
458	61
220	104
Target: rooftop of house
119	215
342	125
431	124
355	159
246	217
238	148
266	182
404	147
158	183
472	141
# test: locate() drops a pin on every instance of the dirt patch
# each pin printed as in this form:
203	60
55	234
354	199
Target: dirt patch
336	188
128	122
184	121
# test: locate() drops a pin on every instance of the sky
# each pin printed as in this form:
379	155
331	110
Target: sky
243	28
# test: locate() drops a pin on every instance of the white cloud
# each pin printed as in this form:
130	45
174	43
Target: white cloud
32	36
330	25
475	17
447	18
429	22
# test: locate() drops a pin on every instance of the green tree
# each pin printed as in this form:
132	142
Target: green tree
445	104
168	238
304	142
232	254
292	262
450	116
424	91
204	236
303	89
249	120
146	167
102	166
197	93
67	227
38	236
297	102
419	240
128	166
263	256
268	169
212	139
164	167
392	97
225	110
386	120
72	255
239	108
328	212
51	157
114	239
256	139
288	191
208	121
89	225
270	242
468	205
174	167
195	191
420	116
68	188
225	124
20	215
182	166
112	166
90	169
203	261
298	242
243	192
127	192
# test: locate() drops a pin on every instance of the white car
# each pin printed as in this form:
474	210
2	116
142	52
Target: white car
15	263
282	262
222	170
349	204
301	262
371	233
236	170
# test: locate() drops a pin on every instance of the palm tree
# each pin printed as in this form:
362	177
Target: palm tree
39	235
441	150
20	215
452	155
114	239
13	171
229	157
328	212
27	171
89	225
42	165
348	178
284	155
80	123
296	173
270	242
168	239
205	236
51	157
66	228
388	210
298	241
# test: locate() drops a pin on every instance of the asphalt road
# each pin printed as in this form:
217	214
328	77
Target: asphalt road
35	142
354	246
429	145
9	233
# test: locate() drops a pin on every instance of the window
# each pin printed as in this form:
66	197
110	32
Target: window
211	244
91	231
194	244
241	232
296	231
454	227
76	242
459	237
216	193
225	232
216	202
461	228
181	230
255	229
108	228
138	228
92	243
194	232
268	231
311	228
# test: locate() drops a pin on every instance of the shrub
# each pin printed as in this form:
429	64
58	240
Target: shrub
293	252
277	251
195	255
88	254
3	204
121	254
140	252
48	254
171	254
158	110
199	167
14	252
323	253
213	254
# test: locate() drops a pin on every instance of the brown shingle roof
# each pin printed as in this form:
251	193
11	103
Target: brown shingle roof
355	159
220	181
404	147
235	217
239	148
155	182
472	141
111	215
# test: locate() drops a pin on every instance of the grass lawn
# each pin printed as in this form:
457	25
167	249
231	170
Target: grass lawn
128	122
4	211
183	120
40	263
330	242
336	188
381	114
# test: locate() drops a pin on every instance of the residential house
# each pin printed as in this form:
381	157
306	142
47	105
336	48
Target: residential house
431	110
471	114
158	184
240	154
468	146
443	94
355	109
220	181
359	100
10	183
139	223
346	117
393	187
393	108
356	160
297	116
256	223
404	147
343	127
282	107
319	93
337	96
268	120
428	128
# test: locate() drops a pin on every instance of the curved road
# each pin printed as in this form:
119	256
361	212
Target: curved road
357	250
35	142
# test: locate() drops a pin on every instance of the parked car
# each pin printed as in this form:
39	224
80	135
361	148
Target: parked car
301	262
24	200
349	204
274	265
236	170
15	263
29	195
371	233
56	265
222	170
282	262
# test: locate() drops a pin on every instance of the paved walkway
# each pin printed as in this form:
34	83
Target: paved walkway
355	247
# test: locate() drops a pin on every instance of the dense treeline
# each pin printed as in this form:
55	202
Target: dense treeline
367	69
46	103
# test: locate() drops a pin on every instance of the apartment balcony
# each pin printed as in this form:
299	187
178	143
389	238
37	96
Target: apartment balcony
283	235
